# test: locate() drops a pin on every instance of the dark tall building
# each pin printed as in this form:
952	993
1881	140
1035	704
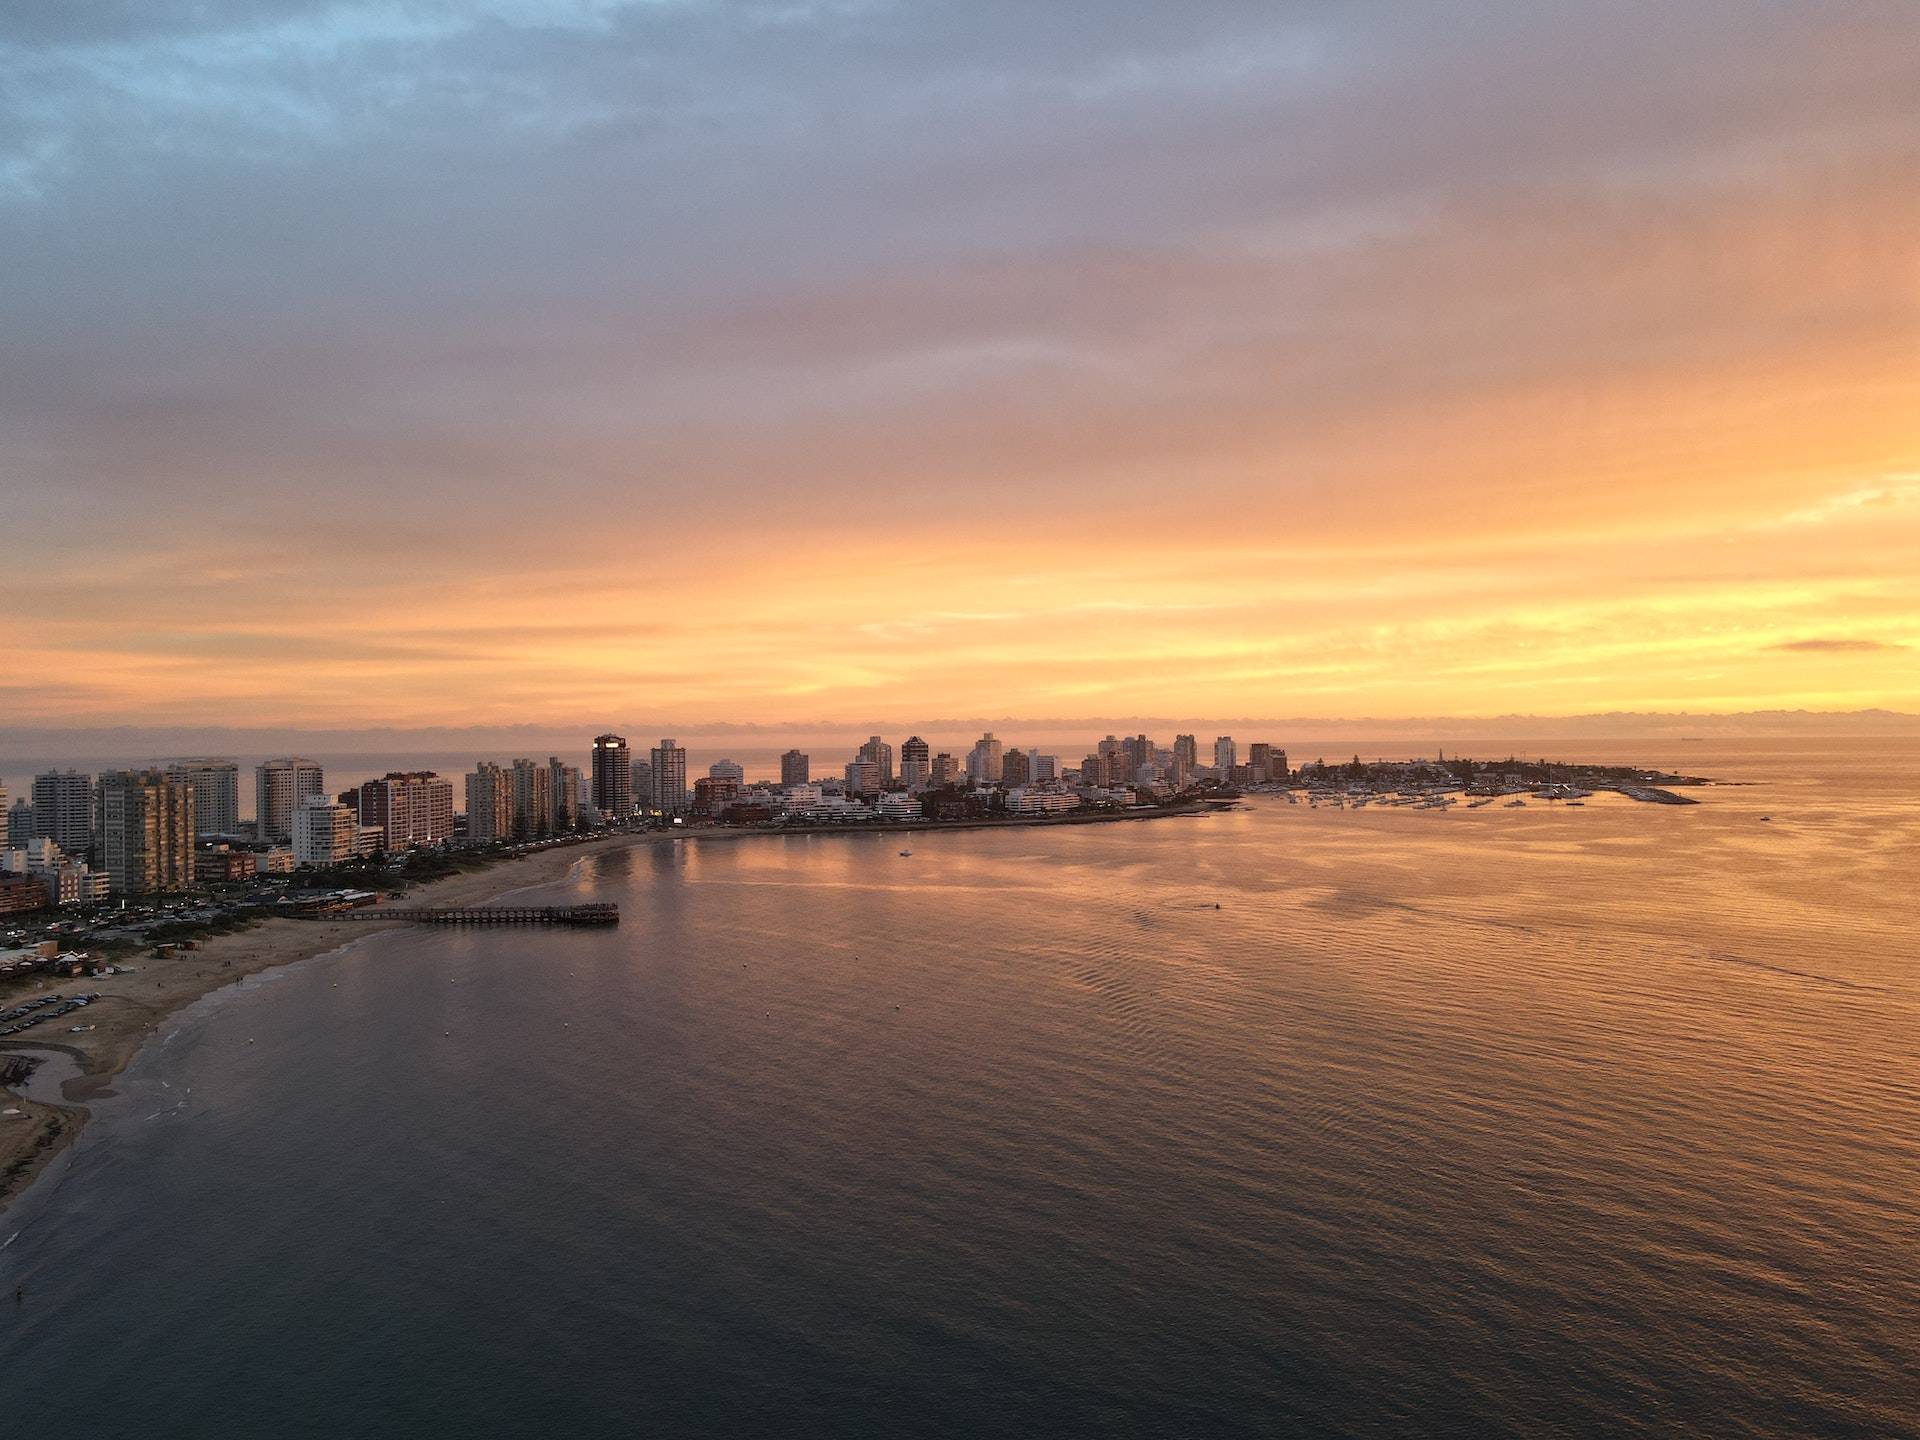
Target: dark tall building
795	768
1016	768
612	776
143	821
63	809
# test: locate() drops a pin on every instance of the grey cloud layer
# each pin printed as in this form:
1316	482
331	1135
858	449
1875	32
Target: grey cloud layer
260	247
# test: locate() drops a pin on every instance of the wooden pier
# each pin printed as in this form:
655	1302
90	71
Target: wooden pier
485	914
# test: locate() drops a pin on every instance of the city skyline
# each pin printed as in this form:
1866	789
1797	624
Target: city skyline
1211	358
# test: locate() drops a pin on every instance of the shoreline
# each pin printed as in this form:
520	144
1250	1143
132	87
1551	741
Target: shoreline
134	1004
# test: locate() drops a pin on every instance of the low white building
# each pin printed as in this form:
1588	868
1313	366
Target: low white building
900	805
1030	800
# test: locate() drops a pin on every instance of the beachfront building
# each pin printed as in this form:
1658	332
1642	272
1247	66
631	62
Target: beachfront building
670	778
324	832
143	823
714	794
73	882
563	791
21	894
223	865
985	760
612	777
916	763
216	794
943	771
1038	800
863	777
532	799
899	805
795	769
1226	755
281	787
413	808
489	803
63	809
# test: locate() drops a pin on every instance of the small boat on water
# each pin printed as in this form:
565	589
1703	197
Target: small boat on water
906	852
1514	804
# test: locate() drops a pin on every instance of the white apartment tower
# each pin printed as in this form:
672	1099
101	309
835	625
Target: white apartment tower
670	778
324	831
986	760
216	794
281	787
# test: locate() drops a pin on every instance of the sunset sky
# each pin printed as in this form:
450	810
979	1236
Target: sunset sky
543	360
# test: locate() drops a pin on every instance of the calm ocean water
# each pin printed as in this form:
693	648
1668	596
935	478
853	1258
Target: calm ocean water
1505	1123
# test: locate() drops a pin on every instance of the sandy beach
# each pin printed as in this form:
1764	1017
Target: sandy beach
135	1003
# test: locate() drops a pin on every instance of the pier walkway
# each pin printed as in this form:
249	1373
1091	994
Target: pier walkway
484	914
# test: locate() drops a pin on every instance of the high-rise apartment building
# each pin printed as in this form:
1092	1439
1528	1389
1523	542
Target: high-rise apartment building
22	825
563	790
63	809
532	799
984	761
1139	752
1226	754
216	794
412	808
728	770
323	831
863	777
916	763
1186	752
143	823
1045	768
279	788
1015	768
795	769
880	753
490	803
670	778
944	770
612	777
